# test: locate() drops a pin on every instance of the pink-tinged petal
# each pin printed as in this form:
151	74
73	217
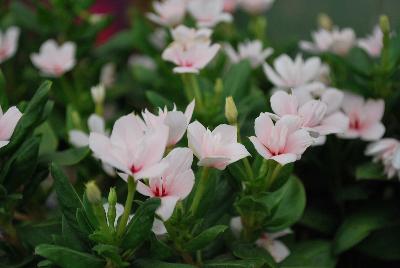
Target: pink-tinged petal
312	113
291	122
96	124
333	99
159	227
104	150
373	132
273	76
278	250
282	103
152	171
144	189
263	125
236	151
373	110
308	46
284	159
78	138
311	68
215	162
4	143
349	134
154	143
381	146
333	124
298	142
182	70
260	148
279	234
352	102
127	131
189	111
167	207
283	66
8	122
177	123
206	54
123	176
396	159
228	133
182	184
195	134
233	56
178	160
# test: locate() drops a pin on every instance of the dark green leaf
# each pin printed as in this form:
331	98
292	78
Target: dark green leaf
68	157
235	80
205	238
370	171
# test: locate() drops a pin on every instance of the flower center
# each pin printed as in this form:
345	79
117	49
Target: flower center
135	169
160	191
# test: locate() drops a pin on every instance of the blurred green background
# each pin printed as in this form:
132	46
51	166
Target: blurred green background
289	20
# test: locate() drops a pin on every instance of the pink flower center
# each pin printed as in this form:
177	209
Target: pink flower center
355	123
135	169
160	191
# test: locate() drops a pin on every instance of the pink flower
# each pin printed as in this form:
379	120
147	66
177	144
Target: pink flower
177	121
336	41
217	148
387	151
8	122
208	13
54	60
250	50
290	73
283	142
318	116
256	7
8	43
373	43
132	148
168	12
365	117
174	184
191	58
230	5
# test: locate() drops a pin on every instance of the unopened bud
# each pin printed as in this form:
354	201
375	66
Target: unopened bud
231	112
325	22
98	94
93	192
112	197
384	24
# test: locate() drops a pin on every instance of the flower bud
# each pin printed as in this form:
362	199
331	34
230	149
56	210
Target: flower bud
112	197
98	94
324	21
231	112
93	192
384	24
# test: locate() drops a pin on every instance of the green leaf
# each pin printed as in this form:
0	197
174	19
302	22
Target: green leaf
67	258
68	157
145	263
370	171
70	238
139	228
359	225
249	263
157	100
310	254
36	234
251	251
235	80
112	253
49	139
3	92
205	238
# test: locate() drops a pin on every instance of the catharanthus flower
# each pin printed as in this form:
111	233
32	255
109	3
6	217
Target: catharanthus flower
365	117
133	148
256	6
54	60
386	151
208	13
177	121
168	12
314	114
8	122
174	184
373	43
230	5
290	73
217	148
283	142
250	50
8	43
188	36
336	41
268	241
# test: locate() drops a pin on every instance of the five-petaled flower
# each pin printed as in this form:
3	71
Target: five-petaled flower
208	13
168	12
250	50
386	151
373	43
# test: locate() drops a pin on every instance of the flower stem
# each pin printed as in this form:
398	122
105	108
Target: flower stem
192	89
273	176
200	190
127	207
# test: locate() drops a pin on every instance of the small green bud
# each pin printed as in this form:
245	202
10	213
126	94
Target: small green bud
231	112
112	197
93	192
384	24
325	22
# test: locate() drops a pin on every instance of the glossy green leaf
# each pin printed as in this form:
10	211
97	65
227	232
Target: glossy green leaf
205	238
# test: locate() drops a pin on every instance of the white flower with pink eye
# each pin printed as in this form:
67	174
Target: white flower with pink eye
8	43
217	148
174	184
250	50
230	5
290	73
133	148
8	122
338	41
373	43
256	7
177	121
268	241
54	60
168	13
387	151
365	117
208	13
283	142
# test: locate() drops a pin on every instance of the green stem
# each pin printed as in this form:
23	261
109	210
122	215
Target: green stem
192	89
200	190
273	176
128	206
199	258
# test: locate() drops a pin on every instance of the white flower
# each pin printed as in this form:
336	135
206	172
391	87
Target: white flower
208	13
250	50
256	7
8	43
98	94
8	122
386	151
107	74
168	12
373	43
